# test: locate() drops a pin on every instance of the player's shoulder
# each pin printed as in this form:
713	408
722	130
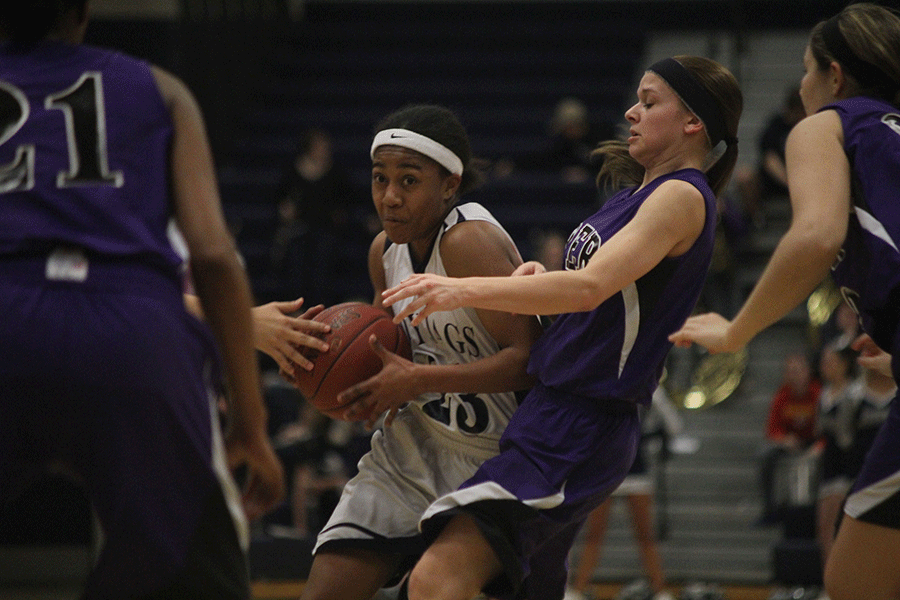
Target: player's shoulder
825	123
174	91
473	235
380	245
477	247
679	186
676	195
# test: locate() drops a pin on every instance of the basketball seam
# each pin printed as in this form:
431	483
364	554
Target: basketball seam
325	375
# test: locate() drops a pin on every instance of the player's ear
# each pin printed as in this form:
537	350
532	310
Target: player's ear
693	125
450	186
837	79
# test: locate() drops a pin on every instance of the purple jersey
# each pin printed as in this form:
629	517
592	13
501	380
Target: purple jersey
617	350
102	368
84	133
867	271
868	266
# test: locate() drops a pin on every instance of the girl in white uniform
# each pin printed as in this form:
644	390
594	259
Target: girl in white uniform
448	406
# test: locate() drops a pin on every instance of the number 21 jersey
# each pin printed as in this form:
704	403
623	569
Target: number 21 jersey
81	146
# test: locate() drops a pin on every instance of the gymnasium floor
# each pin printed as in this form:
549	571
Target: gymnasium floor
290	590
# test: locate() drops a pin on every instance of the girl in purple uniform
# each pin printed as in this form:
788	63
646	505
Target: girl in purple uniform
633	273
102	369
843	165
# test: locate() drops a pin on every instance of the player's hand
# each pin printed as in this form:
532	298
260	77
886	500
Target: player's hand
281	335
264	487
711	330
871	356
388	390
432	293
532	267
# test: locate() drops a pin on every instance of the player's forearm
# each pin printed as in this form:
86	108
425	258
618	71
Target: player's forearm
504	371
551	293
226	300
800	263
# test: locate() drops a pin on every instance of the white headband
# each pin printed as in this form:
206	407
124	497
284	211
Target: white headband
418	142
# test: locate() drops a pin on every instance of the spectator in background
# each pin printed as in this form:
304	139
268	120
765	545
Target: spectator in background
842	328
841	395
790	426
549	248
321	218
319	190
319	456
572	136
769	179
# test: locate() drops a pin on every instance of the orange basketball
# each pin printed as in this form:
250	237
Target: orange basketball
349	359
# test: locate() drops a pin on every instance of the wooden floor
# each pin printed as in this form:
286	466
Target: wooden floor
290	590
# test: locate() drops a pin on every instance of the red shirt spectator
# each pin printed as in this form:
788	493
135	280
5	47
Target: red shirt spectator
792	416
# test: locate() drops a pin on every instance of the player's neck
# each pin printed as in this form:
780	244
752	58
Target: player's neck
70	29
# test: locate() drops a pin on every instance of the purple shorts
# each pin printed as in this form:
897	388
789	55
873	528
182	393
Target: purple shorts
560	457
108	375
875	497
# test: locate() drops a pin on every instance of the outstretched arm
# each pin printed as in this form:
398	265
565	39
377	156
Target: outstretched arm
279	334
668	222
819	179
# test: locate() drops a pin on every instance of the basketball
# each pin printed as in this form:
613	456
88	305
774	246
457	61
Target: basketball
350	359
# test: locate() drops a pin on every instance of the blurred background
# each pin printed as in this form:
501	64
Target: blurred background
291	91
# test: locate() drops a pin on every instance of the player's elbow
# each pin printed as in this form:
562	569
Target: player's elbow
521	380
587	295
821	242
831	245
820	234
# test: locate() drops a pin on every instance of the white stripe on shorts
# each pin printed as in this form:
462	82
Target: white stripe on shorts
489	490
871	496
230	491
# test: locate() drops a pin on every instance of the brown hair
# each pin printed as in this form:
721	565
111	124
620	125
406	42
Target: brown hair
872	33
620	169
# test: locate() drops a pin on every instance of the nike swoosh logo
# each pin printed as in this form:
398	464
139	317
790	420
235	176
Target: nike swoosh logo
394	136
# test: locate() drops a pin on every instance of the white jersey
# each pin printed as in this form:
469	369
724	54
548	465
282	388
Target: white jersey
436	442
448	338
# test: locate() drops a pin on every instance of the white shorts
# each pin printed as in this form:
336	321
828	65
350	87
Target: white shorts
411	464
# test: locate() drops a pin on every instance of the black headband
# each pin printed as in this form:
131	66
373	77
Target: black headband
695	97
865	73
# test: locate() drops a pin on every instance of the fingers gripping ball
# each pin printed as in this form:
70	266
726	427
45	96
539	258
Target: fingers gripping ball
350	359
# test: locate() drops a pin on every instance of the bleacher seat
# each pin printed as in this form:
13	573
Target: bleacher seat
501	67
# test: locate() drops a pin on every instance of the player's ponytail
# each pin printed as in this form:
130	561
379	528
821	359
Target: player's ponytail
618	168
